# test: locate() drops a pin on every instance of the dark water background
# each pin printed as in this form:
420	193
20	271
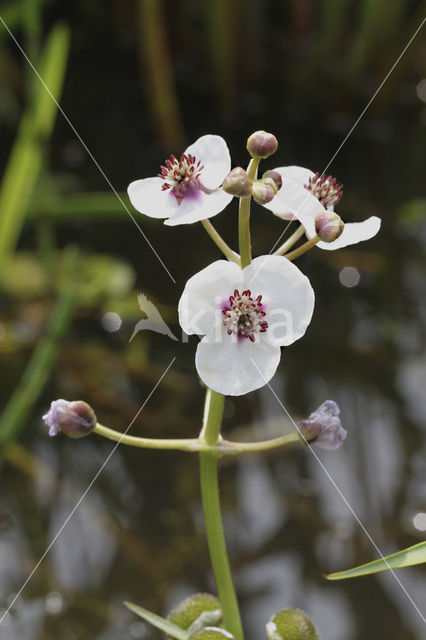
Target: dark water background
304	71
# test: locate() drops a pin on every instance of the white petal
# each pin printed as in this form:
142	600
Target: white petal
235	368
286	294
295	199
354	232
200	309
213	154
147	197
199	206
300	175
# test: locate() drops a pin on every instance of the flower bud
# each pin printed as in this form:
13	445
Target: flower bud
196	612
261	144
262	191
328	226
76	419
237	183
212	633
291	624
323	427
276	177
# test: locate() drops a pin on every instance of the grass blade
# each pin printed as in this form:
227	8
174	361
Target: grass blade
405	558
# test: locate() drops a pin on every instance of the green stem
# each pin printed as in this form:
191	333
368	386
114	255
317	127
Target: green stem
244	218
212	514
302	249
220	242
181	444
263	445
290	241
218	447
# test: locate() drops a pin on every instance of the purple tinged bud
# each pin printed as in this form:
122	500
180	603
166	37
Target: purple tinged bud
76	419
261	144
237	183
276	177
323	427
262	191
328	226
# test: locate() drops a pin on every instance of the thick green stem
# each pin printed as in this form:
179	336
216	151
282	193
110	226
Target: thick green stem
244	218
220	242
212	514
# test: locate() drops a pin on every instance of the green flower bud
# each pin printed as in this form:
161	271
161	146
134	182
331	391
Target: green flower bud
212	633
328	226
263	191
276	177
237	183
291	624
196	612
262	144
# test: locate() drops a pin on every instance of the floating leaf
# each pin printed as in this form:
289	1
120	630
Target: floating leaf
157	621
405	558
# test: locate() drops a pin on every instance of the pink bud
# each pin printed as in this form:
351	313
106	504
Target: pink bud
237	183
328	226
262	191
276	177
261	144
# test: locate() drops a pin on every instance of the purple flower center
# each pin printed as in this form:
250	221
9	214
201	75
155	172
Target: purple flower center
326	189
181	176
244	316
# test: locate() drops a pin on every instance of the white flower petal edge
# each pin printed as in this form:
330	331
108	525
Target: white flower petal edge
146	196
294	199
232	359
236	368
188	188
354	232
199	306
208	205
300	175
213	153
287	296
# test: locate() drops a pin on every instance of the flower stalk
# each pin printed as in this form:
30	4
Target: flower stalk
303	248
210	432
282	250
244	218
231	255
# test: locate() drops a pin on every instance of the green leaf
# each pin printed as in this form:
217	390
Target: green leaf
157	621
405	558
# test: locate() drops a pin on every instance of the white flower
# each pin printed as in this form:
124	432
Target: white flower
304	194
186	189
245	315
